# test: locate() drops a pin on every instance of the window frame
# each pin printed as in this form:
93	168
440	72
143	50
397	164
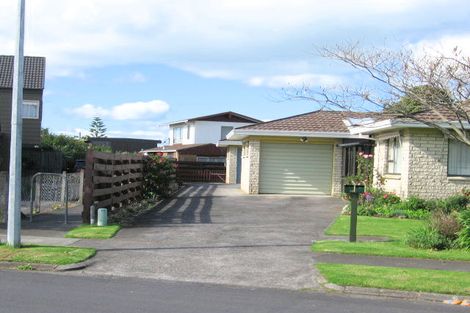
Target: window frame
35	103
397	146
222	129
448	160
180	132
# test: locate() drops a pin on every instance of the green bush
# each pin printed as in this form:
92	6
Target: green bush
425	237
159	177
463	239
454	203
446	224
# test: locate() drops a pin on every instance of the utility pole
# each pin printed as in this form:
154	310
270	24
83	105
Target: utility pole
14	192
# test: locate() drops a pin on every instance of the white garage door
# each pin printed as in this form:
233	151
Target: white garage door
296	168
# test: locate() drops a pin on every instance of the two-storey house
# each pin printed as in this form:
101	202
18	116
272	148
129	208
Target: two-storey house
195	139
34	77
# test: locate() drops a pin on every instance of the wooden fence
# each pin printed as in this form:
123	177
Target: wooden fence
200	172
111	180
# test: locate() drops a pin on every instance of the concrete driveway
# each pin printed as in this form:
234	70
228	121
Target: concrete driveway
216	234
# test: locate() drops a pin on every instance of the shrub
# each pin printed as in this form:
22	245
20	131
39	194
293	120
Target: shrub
413	203
463	239
445	224
159	177
456	202
425	237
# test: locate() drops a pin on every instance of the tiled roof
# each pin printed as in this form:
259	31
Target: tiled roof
34	70
317	121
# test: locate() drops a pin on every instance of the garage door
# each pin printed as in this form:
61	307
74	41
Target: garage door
296	168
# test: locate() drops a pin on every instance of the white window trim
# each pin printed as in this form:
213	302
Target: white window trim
396	156
31	102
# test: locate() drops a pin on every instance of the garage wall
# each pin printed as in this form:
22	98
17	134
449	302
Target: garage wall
299	168
251	161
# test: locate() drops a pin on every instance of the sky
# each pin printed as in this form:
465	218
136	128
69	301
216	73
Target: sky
140	64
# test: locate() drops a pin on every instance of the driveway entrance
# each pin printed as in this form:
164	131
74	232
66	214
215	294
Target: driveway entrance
216	234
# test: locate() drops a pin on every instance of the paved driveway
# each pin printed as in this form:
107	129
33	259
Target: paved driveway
216	234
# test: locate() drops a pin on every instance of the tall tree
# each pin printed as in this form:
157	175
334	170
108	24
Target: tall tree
97	128
403	83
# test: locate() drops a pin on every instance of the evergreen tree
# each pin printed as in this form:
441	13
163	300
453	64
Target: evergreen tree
97	128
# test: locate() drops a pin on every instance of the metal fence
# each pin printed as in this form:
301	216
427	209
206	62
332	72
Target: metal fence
53	191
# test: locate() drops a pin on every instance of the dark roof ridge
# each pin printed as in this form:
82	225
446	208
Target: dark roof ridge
303	114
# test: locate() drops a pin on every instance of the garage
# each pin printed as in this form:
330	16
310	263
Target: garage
287	168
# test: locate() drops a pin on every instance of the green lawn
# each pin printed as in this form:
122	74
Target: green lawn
93	232
393	228
409	279
55	255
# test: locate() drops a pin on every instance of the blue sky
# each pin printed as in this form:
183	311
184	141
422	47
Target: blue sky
141	64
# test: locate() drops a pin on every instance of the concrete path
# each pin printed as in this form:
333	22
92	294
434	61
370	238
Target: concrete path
216	234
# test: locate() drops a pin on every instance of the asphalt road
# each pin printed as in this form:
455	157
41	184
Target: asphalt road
26	292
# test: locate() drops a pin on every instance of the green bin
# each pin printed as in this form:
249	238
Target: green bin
102	217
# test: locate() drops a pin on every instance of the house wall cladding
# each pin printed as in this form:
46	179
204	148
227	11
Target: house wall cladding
31	127
250	166
424	166
428	155
231	166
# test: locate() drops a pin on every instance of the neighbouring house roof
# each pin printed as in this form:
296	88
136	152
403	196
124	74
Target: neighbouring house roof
319	123
124	144
229	116
208	149
34	72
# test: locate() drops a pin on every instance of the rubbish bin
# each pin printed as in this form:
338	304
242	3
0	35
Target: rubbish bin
102	217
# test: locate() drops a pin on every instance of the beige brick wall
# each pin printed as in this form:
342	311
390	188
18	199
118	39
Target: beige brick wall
337	182
427	175
231	165
424	166
250	166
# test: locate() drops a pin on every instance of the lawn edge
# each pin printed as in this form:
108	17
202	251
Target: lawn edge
380	255
97	238
385	293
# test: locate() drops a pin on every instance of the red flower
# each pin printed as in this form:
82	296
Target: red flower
385	196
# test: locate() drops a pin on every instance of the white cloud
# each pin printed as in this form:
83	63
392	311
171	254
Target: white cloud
220	34
300	80
125	111
443	44
138	77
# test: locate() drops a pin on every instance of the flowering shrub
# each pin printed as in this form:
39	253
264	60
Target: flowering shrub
365	168
159	177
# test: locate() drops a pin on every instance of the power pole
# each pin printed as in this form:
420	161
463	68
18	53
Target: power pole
14	192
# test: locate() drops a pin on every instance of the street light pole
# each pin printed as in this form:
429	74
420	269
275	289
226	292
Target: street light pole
14	192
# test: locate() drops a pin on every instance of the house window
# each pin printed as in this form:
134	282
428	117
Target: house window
394	156
188	134
177	135
224	131
459	159
30	109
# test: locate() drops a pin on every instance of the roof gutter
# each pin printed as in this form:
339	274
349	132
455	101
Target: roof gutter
240	134
397	124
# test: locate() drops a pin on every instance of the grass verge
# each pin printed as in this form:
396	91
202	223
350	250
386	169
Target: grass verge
55	255
93	232
409	279
393	228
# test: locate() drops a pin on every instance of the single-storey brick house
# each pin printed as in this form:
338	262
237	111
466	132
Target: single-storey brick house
302	154
413	159
312	153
